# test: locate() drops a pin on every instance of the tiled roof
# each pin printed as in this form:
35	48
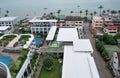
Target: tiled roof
112	27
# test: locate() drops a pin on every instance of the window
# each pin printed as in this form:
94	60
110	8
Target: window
37	29
96	21
45	29
48	28
33	29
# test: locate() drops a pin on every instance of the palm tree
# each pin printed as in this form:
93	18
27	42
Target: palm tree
100	7
80	12
119	12
95	13
59	11
71	12
103	12
113	12
51	13
86	12
108	11
91	14
6	13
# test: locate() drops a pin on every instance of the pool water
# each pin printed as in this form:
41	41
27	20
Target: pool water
38	40
5	60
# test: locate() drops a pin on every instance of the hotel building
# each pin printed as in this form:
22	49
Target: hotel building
41	24
7	25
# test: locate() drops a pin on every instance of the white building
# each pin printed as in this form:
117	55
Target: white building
8	23
41	25
116	64
78	61
111	30
5	30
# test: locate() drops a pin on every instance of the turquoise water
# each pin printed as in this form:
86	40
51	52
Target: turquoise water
5	60
38	40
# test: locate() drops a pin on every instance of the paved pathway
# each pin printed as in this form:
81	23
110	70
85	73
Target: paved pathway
101	66
39	67
13	41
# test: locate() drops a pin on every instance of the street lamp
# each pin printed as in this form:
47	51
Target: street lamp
0	11
78	6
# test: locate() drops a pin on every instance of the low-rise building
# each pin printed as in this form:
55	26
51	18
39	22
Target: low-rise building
41	24
97	22
74	21
111	30
5	30
78	60
8	22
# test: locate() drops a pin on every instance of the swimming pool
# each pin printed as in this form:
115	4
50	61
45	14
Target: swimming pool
38	40
5	60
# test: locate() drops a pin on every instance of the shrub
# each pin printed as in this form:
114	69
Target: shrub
100	46
15	44
48	63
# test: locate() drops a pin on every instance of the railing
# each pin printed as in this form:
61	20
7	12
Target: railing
5	68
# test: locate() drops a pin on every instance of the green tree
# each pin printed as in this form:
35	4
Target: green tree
95	13
91	14
100	7
103	12
51	13
109	39
80	12
86	12
71	12
7	12
59	11
108	11
113	12
119	12
48	63
100	46
117	36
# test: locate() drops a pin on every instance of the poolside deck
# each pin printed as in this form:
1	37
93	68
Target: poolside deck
13	56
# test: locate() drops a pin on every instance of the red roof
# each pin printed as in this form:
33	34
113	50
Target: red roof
112	27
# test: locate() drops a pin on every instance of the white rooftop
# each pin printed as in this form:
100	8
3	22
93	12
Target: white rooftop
51	33
29	41
78	64
82	45
3	28
38	19
7	18
97	18
67	34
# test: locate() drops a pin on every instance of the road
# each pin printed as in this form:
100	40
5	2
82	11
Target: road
101	66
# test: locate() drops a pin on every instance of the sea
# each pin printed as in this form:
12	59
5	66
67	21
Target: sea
31	8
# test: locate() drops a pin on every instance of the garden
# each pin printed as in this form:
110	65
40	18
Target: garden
106	39
5	40
15	66
52	67
22	40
